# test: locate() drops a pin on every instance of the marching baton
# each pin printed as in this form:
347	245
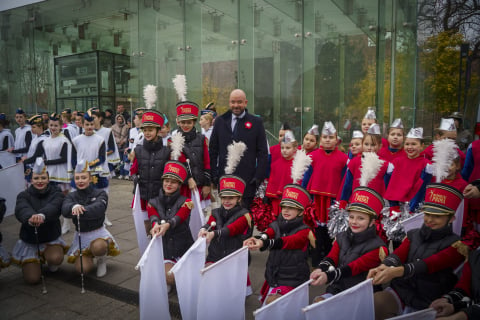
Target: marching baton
44	288
81	254
213	224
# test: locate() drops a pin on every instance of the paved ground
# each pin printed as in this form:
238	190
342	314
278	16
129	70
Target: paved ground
113	297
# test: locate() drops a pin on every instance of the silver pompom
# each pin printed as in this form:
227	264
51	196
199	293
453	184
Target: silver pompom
392	224
337	220
260	193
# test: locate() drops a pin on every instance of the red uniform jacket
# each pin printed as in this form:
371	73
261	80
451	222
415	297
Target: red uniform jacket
388	155
326	176
280	175
405	181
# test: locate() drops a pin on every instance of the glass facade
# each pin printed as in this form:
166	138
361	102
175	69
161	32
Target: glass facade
299	61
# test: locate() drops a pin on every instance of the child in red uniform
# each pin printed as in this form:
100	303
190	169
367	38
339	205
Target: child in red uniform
310	139
369	119
233	223
169	213
149	158
328	167
374	168
447	130
471	172
195	149
287	238
411	174
463	302
422	268
446	165
395	142
275	150
280	171
354	251
355	146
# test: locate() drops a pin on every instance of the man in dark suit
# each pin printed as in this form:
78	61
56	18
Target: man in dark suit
238	125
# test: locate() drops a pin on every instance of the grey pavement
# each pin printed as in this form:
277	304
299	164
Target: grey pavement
114	296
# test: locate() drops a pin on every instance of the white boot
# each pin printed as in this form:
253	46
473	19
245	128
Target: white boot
65	225
101	266
107	222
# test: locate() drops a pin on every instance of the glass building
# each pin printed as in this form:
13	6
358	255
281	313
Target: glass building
299	61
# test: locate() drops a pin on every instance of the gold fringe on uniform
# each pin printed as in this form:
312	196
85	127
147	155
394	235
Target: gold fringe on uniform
462	248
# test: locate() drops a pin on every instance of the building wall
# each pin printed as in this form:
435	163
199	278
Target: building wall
299	61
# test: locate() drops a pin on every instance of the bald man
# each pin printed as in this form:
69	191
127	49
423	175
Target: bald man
239	125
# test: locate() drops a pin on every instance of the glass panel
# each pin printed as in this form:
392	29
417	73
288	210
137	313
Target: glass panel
272	59
158	52
340	45
211	51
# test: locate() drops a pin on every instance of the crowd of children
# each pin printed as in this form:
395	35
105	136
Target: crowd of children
69	165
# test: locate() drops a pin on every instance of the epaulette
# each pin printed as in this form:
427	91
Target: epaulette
381	254
189	204
311	238
249	219
462	248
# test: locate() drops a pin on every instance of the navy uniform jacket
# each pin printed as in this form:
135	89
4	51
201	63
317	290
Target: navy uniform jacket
254	162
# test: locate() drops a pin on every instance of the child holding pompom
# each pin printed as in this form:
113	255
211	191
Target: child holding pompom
323	181
287	238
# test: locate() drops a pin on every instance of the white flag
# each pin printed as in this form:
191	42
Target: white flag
139	217
414	222
197	219
288	306
458	222
426	314
353	303
153	285
187	277
13	182
223	286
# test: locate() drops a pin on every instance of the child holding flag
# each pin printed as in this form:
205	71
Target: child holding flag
356	250
287	238
169	213
422	268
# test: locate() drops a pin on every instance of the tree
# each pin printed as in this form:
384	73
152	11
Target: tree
454	16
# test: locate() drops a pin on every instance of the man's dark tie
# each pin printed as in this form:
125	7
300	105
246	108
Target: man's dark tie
235	127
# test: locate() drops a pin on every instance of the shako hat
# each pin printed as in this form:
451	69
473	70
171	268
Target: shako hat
366	200
175	170
441	199
295	196
231	185
152	118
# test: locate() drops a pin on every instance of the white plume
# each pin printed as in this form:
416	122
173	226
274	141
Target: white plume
235	154
150	95
371	165
180	84
178	140
444	152
300	164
